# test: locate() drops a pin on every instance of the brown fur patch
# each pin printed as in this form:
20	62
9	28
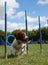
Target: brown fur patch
21	36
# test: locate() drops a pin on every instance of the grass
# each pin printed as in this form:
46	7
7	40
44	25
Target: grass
34	56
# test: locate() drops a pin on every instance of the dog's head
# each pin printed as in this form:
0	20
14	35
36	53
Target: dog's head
21	36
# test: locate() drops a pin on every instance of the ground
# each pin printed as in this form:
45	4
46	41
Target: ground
34	57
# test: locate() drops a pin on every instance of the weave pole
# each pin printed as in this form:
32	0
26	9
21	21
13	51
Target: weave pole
40	34
5	31
26	30
47	23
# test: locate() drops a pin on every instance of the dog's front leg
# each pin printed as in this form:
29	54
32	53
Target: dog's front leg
24	51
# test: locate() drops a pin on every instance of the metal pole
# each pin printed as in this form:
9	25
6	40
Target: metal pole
5	31
26	30
40	34
47	23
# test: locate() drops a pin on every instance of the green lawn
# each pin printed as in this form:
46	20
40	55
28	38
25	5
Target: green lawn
34	56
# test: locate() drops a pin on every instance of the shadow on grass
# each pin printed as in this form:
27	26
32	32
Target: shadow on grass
12	56
8	56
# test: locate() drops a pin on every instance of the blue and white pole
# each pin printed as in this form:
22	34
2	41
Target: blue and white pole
47	23
40	34
5	30
26	30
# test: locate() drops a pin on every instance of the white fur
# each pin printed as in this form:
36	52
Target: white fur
18	49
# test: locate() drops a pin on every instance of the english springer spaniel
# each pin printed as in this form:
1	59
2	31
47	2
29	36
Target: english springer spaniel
19	44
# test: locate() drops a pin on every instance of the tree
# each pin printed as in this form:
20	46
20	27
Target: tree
2	34
44	33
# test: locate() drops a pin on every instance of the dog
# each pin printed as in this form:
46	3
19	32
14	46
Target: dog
18	46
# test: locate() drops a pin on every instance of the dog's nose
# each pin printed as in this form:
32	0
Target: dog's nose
26	36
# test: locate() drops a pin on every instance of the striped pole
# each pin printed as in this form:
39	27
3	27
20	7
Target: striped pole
40	34
5	31
26	30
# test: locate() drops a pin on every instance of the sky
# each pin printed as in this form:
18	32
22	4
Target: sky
16	14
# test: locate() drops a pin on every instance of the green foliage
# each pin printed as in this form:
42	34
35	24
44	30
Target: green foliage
2	34
8	33
15	31
30	35
45	33
35	34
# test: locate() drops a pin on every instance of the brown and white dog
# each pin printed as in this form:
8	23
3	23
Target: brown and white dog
19	44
